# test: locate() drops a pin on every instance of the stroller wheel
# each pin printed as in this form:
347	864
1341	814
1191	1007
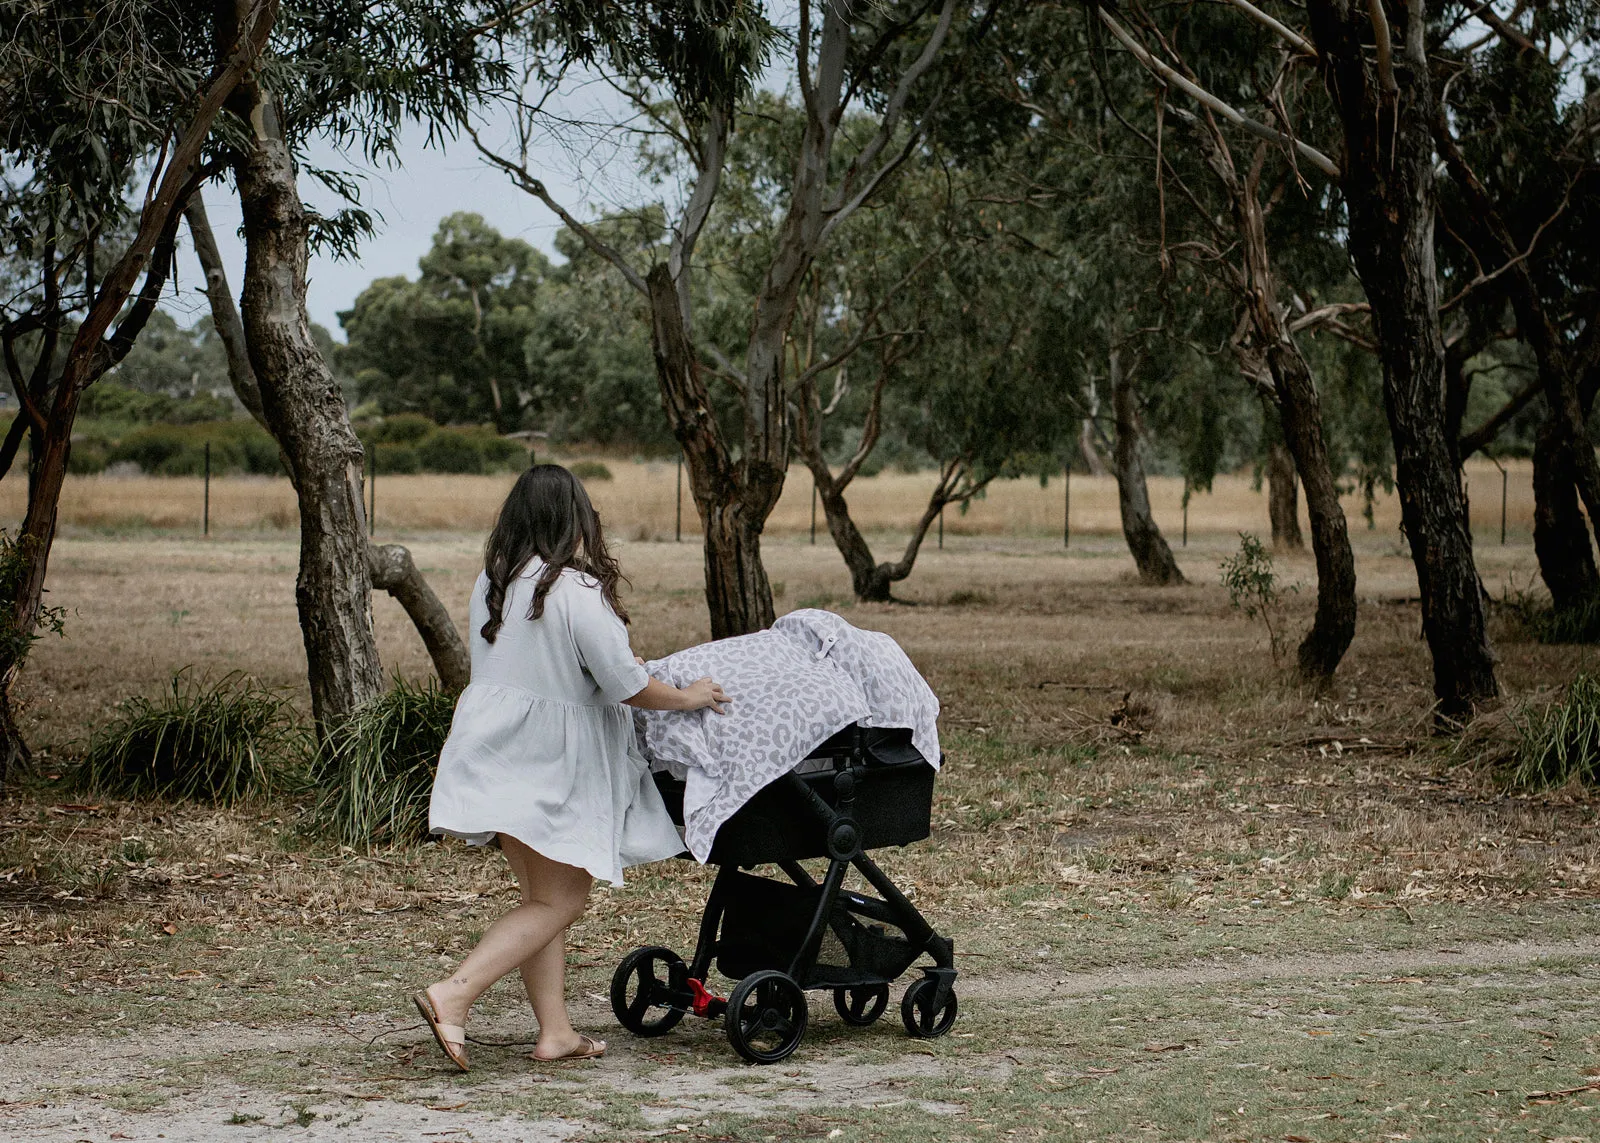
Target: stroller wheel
861	1006
921	1019
647	991
766	1017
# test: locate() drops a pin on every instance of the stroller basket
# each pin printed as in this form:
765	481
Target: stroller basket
893	796
864	788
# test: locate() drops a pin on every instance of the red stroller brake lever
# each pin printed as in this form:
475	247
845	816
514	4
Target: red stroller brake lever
704	999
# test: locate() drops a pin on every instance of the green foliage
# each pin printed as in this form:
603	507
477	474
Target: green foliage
1254	590
15	643
213	742
179	450
589	470
374	774
1561	742
450	344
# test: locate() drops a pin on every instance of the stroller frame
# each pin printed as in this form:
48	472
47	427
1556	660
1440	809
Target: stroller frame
770	934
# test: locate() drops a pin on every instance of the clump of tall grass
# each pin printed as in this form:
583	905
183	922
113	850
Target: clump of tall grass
1561	742
375	770
1576	623
205	741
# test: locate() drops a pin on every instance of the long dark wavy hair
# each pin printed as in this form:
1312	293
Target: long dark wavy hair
547	515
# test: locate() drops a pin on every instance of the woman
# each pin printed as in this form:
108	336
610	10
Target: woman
541	752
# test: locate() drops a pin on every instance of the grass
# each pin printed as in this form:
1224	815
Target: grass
1130	788
216	741
374	774
1560	742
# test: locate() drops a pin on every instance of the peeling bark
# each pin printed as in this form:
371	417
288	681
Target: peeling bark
305	412
391	566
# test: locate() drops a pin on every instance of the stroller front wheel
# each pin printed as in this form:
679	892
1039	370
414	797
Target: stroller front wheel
647	991
766	1017
917	1012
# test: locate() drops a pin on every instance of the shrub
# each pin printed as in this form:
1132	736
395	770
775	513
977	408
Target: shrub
589	470
1561	742
374	774
403	428
214	742
87	457
452	451
1253	589
394	458
180	450
504	454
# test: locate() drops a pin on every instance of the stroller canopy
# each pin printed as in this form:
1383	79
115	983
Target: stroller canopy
794	685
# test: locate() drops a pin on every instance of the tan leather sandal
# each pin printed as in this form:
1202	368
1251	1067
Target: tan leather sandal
452	1037
588	1049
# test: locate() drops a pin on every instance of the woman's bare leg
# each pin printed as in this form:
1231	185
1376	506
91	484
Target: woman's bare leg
554	896
544	976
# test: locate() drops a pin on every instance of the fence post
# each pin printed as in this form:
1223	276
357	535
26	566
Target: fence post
678	534
1186	511
941	527
1066	505
205	517
813	512
372	488
1503	478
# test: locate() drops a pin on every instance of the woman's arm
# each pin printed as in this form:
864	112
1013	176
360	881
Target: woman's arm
701	693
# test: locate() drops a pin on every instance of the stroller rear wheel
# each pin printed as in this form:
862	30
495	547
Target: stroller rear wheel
920	1017
646	991
861	1006
766	1017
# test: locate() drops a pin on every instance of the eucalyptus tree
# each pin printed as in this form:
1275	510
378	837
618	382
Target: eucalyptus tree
450	343
1522	248
1190	48
108	109
942	322
841	54
353	73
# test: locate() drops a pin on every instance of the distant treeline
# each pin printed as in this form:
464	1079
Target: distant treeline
167	436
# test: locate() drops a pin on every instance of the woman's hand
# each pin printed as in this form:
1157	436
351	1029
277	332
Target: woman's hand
705	693
698	695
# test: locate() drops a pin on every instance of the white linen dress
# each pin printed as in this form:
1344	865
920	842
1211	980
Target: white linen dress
540	746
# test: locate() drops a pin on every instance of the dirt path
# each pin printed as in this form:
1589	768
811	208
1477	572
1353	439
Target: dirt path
56	1090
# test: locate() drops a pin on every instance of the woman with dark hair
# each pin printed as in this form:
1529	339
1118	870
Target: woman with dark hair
541	754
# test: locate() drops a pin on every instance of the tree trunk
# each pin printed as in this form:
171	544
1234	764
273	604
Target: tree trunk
1295	425
1335	623
391	565
1560	533
1283	491
394	571
1388	180
1150	550
1087	449
738	595
306	414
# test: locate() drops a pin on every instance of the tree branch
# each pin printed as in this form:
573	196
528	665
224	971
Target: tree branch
1200	95
521	176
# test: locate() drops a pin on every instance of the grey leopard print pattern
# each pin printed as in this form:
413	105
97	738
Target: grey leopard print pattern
896	692
792	686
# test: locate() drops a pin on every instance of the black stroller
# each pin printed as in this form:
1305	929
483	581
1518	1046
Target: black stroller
780	938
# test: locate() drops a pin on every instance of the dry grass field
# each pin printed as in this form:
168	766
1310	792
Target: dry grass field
1191	899
638	503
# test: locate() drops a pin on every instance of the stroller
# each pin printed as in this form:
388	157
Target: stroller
781	938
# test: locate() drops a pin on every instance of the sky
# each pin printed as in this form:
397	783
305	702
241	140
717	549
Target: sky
586	174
